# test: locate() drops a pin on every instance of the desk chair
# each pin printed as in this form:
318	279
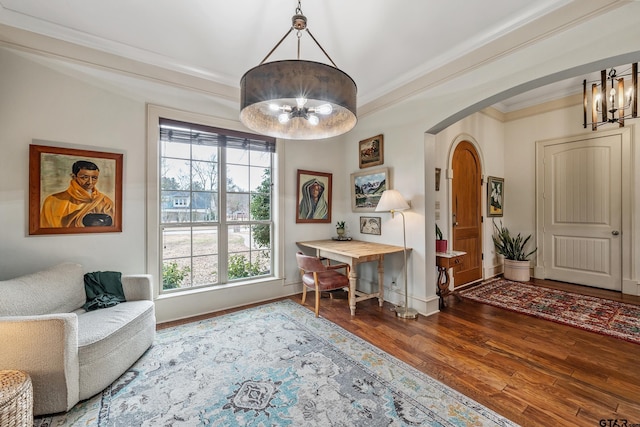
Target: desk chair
320	277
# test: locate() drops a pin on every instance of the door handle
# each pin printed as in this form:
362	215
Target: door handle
615	232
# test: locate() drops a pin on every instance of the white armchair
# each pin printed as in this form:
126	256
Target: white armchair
71	354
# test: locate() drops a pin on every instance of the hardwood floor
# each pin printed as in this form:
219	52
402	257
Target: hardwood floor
532	371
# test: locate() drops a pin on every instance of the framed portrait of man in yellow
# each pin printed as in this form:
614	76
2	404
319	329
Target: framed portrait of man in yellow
74	191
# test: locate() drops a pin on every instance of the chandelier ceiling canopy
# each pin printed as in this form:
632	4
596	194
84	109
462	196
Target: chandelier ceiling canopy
298	99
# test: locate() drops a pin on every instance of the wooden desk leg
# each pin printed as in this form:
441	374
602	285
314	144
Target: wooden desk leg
353	280
381	281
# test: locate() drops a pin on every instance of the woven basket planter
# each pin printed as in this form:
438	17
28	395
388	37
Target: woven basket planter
16	399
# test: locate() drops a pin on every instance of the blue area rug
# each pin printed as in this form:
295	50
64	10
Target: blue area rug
272	365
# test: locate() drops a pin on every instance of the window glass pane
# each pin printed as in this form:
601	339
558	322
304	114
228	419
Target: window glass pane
205	240
175	149
261	199
260	179
176	273
204	152
237	206
260	207
175	206
176	174
260	158
261	261
205	176
239	238
237	156
205	270
204	206
261	236
237	178
176	242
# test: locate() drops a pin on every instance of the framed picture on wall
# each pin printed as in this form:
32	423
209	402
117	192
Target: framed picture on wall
367	188
495	196
313	197
371	225
371	151
74	191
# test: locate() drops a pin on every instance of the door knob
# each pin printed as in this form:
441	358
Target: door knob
615	232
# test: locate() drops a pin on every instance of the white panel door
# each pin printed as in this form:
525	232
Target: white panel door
582	212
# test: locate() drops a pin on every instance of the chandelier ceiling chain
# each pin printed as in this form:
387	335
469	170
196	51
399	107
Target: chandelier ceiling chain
297	99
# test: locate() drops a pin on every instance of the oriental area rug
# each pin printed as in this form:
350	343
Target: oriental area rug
272	365
606	317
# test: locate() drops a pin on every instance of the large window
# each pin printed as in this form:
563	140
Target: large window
216	217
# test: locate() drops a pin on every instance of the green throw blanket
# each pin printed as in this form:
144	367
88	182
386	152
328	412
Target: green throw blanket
103	288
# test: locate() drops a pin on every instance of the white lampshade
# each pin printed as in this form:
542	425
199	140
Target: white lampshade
391	200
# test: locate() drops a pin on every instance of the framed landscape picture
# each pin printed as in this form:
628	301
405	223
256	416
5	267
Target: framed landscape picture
367	188
495	196
313	197
371	152
74	191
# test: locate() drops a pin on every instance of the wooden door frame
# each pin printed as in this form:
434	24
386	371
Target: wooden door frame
629	286
465	137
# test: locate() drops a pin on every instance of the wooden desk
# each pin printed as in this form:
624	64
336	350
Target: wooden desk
354	252
445	261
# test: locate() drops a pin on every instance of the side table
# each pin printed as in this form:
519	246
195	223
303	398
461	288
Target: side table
445	261
16	399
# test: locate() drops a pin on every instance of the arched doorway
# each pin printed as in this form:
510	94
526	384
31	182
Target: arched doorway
466	210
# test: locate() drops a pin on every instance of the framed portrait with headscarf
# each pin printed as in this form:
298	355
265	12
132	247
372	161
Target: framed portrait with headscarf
313	197
74	191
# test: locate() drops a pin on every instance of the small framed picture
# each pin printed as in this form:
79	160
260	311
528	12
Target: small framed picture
367	188
371	225
371	152
495	196
313	197
74	191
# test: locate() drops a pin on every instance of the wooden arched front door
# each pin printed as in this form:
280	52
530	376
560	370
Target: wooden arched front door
466	212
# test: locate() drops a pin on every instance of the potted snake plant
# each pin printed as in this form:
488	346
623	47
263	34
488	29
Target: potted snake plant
516	258
441	244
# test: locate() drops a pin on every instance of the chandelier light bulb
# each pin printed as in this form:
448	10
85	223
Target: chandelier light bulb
283	118
274	107
313	119
301	102
324	109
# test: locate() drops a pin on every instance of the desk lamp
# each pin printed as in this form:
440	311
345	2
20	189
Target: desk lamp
392	201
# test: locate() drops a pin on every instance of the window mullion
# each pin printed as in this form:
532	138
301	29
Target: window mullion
223	241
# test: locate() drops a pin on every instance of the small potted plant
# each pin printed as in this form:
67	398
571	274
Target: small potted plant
340	228
516	259
441	244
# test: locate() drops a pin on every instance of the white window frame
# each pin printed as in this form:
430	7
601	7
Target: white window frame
154	234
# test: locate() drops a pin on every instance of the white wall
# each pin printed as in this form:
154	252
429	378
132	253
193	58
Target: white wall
36	103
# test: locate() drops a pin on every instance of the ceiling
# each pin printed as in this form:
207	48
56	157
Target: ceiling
383	45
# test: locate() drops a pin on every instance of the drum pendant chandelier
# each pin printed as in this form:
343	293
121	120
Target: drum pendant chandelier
297	99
